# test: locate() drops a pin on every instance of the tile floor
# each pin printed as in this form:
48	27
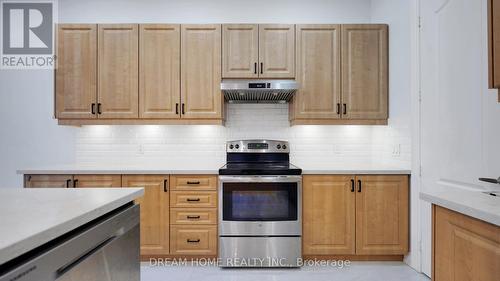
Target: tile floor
358	271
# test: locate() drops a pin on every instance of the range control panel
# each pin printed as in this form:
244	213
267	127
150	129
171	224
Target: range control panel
258	146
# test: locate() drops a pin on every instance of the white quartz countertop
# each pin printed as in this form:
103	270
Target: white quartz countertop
32	217
214	169
473	203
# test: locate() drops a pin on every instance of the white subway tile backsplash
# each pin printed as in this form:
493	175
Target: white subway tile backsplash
205	144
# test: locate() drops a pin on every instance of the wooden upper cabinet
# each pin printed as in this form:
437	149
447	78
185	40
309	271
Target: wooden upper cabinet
329	215
105	181
277	50
201	71
494	43
155	212
48	181
381	215
318	73
365	71
76	73
464	248
118	92
159	70
240	50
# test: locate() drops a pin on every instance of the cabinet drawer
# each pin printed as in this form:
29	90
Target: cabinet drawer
193	216
183	199
193	240
190	182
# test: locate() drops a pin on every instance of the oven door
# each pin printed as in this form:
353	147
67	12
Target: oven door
260	206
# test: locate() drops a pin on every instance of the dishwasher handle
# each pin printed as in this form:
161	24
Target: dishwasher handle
65	268
490	180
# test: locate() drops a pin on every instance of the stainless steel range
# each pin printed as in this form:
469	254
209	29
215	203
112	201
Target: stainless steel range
260	206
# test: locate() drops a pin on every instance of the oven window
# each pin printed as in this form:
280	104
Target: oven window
259	201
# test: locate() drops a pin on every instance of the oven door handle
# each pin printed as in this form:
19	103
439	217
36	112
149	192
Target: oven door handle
258	179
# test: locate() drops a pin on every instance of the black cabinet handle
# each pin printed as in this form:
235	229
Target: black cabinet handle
359	185
497	181
176	108
352	185
165	183
193	182
193	217
92	108
183	109
99	108
75	183
68	183
193	200
338	108
193	241
261	68
345	109
255	68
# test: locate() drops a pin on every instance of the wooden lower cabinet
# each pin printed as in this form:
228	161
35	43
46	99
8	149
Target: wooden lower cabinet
464	248
154	212
329	211
48	181
355	215
382	215
193	240
90	181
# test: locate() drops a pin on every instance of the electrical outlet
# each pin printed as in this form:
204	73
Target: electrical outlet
396	150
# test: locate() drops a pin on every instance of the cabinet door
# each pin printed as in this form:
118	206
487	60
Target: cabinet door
201	71
118	92
76	73
154	212
48	181
329	214
381	215
494	40
105	181
318	72
240	50
464	248
365	71
159	70
277	50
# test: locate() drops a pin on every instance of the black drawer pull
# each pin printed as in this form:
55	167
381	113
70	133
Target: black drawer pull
68	183
193	182
338	108
352	185
193	200
176	109
345	109
99	111
92	108
75	183
255	68
165	184
193	241
193	217
359	185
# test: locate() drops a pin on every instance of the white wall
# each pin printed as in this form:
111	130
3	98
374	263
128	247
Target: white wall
28	134
157	144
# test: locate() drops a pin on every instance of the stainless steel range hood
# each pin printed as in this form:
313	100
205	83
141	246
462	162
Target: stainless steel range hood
258	91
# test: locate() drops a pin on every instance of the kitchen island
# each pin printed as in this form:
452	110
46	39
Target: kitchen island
66	225
465	233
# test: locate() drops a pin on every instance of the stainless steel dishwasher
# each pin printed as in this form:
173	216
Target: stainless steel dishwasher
106	249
